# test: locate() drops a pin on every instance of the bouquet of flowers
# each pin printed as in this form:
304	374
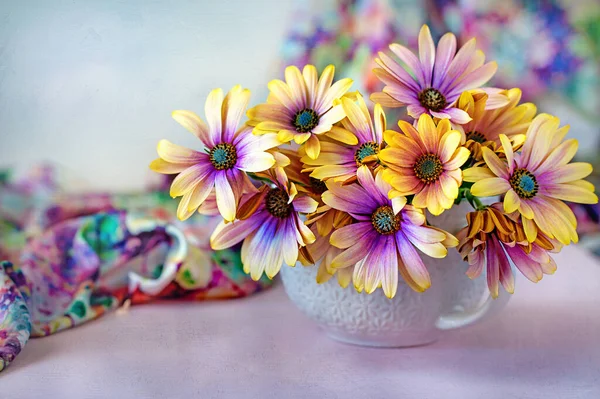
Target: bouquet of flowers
316	175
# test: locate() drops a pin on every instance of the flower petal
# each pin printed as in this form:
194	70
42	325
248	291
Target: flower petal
189	178
234	107
305	204
476	173
495	164
446	49
426	53
448	145
227	235
356	252
347	236
385	100
213	112
313	147
490	187
177	154
226	201
161	166
283	94
256	162
326	121
412	265
295	82
195	125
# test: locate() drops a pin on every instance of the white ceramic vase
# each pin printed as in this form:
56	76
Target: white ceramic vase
408	319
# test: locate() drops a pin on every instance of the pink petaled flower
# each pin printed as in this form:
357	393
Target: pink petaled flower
382	242
270	225
228	153
433	82
493	237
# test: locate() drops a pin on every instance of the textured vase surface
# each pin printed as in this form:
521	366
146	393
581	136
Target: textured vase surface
408	319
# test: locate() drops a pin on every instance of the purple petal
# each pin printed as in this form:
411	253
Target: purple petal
426	53
446	49
474	79
459	64
366	180
352	198
411	61
395	70
228	234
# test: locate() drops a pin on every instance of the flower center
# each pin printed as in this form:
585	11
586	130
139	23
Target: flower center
367	149
223	156
432	99
318	186
477	137
524	183
277	203
384	220
428	168
305	120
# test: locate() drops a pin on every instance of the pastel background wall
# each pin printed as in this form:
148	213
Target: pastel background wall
90	85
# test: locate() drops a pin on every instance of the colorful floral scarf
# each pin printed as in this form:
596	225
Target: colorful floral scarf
71	258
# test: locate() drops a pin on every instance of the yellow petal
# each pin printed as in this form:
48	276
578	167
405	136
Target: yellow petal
476	173
490	186
511	201
313	147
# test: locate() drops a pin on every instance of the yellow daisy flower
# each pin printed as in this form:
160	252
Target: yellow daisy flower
425	162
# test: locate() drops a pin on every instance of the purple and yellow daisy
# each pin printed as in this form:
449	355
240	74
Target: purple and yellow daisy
339	160
383	241
226	154
537	179
270	225
433	82
302	107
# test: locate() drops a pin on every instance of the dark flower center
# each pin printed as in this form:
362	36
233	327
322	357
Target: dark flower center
477	137
318	186
432	99
384	220
524	183
223	156
277	203
367	149
428	168
305	120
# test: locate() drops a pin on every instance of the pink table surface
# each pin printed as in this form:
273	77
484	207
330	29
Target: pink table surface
545	344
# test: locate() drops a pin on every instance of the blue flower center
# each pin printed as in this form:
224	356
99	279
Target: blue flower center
223	156
432	99
384	221
365	150
428	168
305	120
524	183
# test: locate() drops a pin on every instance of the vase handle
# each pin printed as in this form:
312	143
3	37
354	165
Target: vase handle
487	309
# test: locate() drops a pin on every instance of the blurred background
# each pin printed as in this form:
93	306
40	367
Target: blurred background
90	85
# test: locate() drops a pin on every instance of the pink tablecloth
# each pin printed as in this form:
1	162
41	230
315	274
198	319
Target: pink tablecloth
545	344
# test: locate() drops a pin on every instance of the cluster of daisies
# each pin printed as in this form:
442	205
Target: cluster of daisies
315	175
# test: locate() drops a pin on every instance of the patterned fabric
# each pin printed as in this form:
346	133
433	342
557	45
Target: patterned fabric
75	258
